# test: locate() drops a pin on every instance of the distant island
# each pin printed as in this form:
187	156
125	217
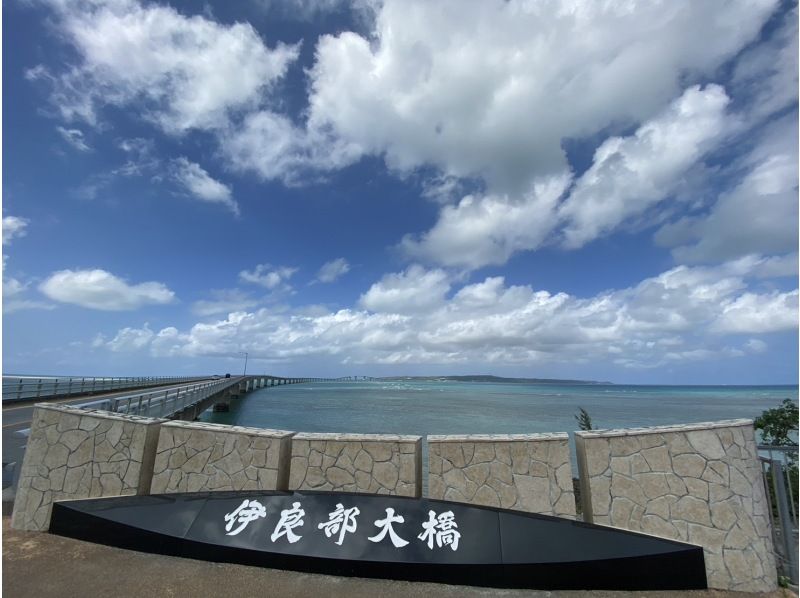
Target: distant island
486	378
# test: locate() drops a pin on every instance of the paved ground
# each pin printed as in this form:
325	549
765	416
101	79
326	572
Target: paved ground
38	565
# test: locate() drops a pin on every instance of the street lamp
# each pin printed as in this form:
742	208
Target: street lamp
244	373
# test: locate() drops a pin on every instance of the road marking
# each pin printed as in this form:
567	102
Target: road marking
17	424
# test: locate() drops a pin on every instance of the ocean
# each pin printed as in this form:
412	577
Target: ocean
422	407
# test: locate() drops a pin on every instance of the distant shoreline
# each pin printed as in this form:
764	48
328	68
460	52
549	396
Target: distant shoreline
487	378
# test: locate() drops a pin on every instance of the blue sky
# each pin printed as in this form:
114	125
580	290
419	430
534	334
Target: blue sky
539	189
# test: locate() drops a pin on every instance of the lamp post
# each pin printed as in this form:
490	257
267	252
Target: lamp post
244	373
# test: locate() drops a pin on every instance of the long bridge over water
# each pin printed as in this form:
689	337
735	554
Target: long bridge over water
166	397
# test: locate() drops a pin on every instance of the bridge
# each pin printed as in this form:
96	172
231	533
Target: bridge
168	397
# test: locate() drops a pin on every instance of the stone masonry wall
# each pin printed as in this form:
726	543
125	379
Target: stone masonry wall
195	457
525	472
373	463
76	453
698	483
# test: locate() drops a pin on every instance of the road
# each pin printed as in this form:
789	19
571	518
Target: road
17	417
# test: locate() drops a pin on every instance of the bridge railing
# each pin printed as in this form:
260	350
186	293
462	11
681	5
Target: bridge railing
779	471
162	402
21	388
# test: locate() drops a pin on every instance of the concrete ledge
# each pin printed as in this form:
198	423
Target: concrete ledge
525	472
727	423
498	437
76	453
197	456
698	483
374	463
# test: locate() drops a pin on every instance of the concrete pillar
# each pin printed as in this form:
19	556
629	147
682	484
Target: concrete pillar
223	458
373	463
698	483
75	453
524	472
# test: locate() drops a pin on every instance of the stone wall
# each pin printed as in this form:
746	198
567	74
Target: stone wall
698	483
78	453
373	463
525	472
195	457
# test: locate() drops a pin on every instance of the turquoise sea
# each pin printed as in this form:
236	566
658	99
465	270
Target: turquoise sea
422	408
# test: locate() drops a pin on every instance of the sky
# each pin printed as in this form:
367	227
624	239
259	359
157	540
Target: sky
553	189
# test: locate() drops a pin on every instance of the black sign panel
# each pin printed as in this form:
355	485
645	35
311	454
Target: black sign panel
385	536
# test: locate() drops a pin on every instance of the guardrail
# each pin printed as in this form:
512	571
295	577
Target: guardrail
779	472
163	402
22	388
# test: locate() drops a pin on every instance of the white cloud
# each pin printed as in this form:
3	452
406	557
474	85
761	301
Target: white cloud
758	215
483	230
755	345
411	291
75	138
753	314
490	89
268	276
765	76
131	339
14	297
682	314
201	185
631	174
224	301
333	269
273	147
185	72
13	226
98	289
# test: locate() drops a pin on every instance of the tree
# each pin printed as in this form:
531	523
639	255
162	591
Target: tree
584	421
777	424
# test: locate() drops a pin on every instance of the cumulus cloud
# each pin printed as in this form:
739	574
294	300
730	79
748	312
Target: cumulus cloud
414	290
483	230
201	185
13	226
491	89
75	138
758	215
683	313
752	313
130	339
274	147
184	72
333	269
268	276
99	289
631	174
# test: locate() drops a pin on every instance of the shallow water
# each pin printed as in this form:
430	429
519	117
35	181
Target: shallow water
423	408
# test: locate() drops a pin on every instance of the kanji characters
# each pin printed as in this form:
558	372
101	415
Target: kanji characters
442	529
290	519
342	521
248	511
386	525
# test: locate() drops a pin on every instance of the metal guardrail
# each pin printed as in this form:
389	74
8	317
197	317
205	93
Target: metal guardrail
779	473
163	402
21	388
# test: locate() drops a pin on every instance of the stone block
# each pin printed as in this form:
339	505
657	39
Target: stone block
525	472
701	484
80	453
372	463
198	456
